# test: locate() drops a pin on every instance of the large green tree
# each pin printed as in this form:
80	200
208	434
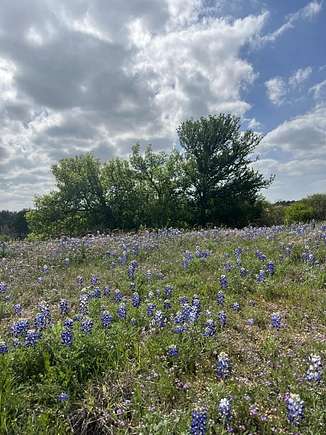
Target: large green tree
224	185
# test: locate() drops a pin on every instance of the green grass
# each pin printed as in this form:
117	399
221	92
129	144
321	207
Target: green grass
121	380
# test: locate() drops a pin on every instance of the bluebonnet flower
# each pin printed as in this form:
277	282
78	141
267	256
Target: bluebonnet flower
18	309
63	397
106	319
250	322
83	303
260	255
238	252
45	268
276	320
243	272
94	279
315	369
40	279
132	269
198	422
223	366
168	291
270	268
183	300
295	408
222	318
64	306
187	258
159	319
3	287
80	280
135	300
19	327
194	314
43	306
167	304
202	255
235	306
228	267
86	326
261	276
122	311
67	337
210	328
68	323
220	298
223	281
150	295
96	293
3	347
225	409
173	350
106	291
196	302
32	337
117	295
150	309
133	321
179	329
40	321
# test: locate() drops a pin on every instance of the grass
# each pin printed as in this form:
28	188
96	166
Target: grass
120	379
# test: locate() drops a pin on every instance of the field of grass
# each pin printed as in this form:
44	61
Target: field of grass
165	333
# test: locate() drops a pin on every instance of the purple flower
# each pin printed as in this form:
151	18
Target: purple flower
18	309
117	295
210	328
3	287
79	280
3	347
122	311
68	323
150	309
40	321
64	306
295	408
223	281
106	291
106	319
243	272
235	307
135	300
168	291
86	326
222	318
220	298
270	268
94	279
223	366
63	397
67	337
261	276
225	409
276	320
19	327
198	422
315	369
32	337
173	350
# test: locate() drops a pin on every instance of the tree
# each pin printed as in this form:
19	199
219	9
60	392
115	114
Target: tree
318	203
219	167
298	212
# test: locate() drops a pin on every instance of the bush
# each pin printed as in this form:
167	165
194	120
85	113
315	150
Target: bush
298	212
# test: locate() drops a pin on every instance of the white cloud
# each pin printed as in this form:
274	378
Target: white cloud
319	91
276	90
301	75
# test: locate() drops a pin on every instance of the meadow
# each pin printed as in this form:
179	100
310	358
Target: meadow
165	332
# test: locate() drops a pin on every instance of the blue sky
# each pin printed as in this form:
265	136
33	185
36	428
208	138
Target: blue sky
79	76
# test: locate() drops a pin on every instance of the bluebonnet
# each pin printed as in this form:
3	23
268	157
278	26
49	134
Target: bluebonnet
135	300
117	295
210	328
106	291
95	293
67	337
276	320
270	268
80	280
159	319
225	409
168	291
68	323
122	311
238	252
260	255
43	306
40	321
149	275
106	319
295	408
18	309
167	304
183	300
94	279
63	397
86	326
223	281
223	366
179	329
220	298
198	422
315	369
173	350
199	253
196	302
3	347
3	287
261	276
228	267
132	269
150	309
83	303
45	268
64	306
250	322
187	258
243	272
235	306
32	337
19	327
222	318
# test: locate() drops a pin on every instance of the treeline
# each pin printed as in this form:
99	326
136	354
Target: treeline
13	224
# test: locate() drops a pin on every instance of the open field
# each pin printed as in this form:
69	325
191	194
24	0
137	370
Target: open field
132	334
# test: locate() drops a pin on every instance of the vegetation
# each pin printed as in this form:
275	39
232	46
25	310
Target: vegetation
210	332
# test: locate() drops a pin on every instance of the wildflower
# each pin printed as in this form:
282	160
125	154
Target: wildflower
198	422
19	327
83	303
106	291
173	350
222	318
150	309
179	329
3	287
149	275
223	281
187	258
122	311
210	328
261	276
168	291
68	323
31	337
220	298
159	319
94	279
243	272
295	408
132	269
63	397
80	280
276	320
271	268
184	300
223	366
3	347
18	309
106	319
63	306
86	326
260	255
40	321
67	337
225	409
135	300
45	268
96	293
167	304
235	307
117	295
315	369
228	267
250	322
45	310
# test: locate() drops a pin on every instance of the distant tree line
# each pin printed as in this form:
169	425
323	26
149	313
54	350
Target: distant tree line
13	224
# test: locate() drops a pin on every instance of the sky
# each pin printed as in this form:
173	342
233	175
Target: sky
79	76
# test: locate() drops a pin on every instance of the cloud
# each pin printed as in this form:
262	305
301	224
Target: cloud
276	90
319	91
300	76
